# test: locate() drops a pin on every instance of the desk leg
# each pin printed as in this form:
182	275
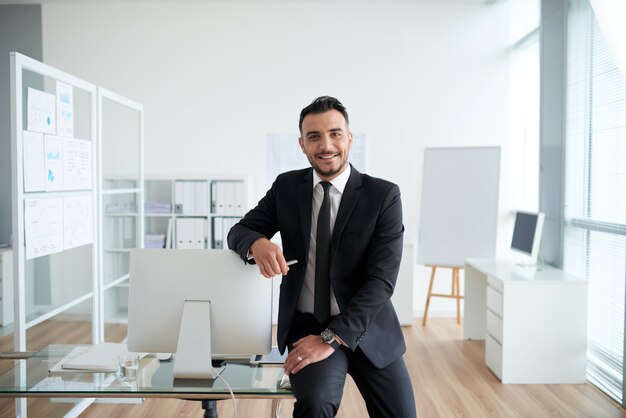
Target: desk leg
210	408
475	317
275	408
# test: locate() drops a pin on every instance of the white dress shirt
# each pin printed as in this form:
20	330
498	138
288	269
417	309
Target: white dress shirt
307	294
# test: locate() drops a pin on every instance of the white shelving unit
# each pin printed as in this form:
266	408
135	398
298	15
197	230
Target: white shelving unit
194	213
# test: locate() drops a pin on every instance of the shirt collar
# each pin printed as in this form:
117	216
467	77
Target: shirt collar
339	182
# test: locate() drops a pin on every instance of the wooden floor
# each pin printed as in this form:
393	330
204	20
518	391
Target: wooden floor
448	373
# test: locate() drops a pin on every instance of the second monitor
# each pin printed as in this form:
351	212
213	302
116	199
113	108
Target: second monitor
197	303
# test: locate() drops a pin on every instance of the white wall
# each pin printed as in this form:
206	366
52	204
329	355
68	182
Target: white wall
216	77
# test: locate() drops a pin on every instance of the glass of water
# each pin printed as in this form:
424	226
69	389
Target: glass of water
128	366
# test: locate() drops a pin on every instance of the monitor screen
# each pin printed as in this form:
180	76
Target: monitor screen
163	281
527	232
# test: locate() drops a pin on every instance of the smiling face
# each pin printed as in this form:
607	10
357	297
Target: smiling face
326	142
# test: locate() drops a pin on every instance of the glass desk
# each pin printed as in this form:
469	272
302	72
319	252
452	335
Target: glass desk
31	378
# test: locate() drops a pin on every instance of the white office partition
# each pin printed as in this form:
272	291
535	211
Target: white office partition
121	201
54	199
77	205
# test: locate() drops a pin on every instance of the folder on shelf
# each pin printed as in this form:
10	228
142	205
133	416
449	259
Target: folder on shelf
240	198
200	233
168	234
184	239
220	202
218	233
202	198
189	198
154	241
157	207
230	197
213	197
178	197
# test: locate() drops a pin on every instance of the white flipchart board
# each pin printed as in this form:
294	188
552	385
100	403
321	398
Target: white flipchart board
459	205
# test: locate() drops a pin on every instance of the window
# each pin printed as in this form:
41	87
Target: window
594	242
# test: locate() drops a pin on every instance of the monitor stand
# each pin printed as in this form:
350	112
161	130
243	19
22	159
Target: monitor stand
193	352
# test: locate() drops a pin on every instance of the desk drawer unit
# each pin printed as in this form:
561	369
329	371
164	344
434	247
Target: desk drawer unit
495	301
533	320
494	326
493	356
494	319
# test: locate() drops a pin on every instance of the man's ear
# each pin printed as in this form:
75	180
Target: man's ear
301	142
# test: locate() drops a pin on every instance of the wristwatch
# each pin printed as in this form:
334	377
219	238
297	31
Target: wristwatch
328	337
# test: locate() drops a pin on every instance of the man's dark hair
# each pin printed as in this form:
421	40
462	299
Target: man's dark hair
321	105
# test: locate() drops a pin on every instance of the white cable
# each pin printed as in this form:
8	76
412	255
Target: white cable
232	395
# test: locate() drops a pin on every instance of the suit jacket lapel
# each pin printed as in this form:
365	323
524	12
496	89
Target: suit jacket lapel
305	203
350	197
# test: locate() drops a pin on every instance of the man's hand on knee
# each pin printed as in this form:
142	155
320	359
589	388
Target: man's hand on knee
307	350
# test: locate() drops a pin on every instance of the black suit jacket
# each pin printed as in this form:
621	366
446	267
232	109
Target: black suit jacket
366	248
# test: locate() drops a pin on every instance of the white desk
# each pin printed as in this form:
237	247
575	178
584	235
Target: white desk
533	320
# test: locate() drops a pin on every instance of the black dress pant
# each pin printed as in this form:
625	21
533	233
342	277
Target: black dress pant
318	387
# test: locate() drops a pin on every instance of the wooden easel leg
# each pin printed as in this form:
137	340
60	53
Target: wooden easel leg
457	293
430	290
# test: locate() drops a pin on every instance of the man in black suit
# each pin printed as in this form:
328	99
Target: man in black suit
345	230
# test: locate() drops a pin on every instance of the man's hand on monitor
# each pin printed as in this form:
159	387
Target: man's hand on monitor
269	258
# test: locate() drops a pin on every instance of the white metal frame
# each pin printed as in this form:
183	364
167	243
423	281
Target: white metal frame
103	93
19	63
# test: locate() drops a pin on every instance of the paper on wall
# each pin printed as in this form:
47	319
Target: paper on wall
43	226
53	162
77	168
77	221
65	110
41	116
33	157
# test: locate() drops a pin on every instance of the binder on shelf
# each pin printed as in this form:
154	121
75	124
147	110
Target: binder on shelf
224	197
221	228
230	197
218	233
189	198
178	197
221	197
202	198
168	234
214	197
184	233
200	233
240	198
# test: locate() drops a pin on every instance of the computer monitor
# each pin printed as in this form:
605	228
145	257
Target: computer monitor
527	234
198	304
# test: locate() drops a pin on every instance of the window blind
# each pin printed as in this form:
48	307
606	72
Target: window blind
594	241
